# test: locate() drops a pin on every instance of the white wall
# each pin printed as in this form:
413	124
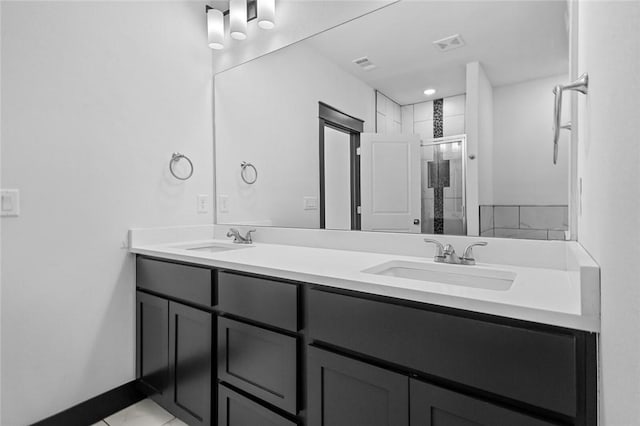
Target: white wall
267	114
478	100
1	126
609	225
95	98
485	139
523	171
388	115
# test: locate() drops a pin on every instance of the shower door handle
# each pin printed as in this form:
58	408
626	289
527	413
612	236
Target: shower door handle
580	85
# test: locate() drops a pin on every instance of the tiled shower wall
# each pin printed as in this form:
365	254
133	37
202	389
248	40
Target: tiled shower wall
524	221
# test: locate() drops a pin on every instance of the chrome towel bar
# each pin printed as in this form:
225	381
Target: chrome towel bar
580	85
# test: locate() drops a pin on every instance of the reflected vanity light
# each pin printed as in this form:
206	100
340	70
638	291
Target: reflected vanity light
240	13
266	14
215	28
238	19
429	92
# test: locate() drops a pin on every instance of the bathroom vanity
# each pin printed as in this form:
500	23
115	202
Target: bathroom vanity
234	336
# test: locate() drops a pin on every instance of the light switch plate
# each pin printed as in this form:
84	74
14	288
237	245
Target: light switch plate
203	203
223	203
10	202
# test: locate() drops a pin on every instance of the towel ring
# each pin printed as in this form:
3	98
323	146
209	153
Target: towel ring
243	168
175	157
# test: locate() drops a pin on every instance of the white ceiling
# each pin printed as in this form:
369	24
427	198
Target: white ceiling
514	40
295	21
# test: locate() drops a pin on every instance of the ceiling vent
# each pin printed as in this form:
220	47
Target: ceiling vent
449	43
364	63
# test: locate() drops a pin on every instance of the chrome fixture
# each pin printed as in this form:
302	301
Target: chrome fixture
176	157
240	13
580	85
447	254
250	180
215	28
239	239
467	255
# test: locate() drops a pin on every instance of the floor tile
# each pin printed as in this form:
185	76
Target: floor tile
175	422
144	413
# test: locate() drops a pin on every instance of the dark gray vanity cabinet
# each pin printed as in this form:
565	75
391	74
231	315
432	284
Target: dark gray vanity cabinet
191	349
152	345
483	370
174	340
219	347
237	410
258	349
174	357
435	406
346	392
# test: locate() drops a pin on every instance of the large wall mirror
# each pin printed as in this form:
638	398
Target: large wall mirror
423	116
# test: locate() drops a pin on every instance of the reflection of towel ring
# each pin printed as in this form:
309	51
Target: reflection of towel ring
243	169
175	157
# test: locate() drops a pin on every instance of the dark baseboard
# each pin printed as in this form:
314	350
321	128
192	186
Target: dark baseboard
95	409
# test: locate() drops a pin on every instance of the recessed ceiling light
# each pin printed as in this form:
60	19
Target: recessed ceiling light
430	92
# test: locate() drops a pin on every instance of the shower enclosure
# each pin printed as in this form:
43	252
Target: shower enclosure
443	193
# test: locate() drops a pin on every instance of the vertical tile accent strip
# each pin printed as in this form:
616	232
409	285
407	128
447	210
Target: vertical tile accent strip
438	192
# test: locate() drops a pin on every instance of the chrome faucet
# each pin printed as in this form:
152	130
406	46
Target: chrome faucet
447	254
239	239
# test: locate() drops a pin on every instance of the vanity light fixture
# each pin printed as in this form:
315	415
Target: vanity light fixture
238	19
215	28
429	92
266	14
240	12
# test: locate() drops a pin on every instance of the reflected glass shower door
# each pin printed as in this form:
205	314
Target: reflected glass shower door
443	186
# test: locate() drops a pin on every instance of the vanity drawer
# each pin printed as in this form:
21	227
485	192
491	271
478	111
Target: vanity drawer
259	299
188	283
237	410
535	367
258	361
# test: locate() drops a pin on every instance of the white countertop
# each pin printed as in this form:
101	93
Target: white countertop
567	297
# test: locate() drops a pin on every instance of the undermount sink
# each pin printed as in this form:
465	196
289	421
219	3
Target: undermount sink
213	247
461	275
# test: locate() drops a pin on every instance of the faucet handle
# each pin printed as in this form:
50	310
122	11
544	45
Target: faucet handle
232	232
248	236
467	256
439	248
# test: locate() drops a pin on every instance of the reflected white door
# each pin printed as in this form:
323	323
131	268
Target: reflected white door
390	182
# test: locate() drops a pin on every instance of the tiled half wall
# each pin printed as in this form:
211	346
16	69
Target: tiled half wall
536	222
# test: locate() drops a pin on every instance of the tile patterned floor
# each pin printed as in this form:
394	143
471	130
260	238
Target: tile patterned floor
143	413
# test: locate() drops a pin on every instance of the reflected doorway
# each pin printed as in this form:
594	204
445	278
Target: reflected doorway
339	143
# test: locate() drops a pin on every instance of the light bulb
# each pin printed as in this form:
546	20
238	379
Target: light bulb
238	19
266	14
215	29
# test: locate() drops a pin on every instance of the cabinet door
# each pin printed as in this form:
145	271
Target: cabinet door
190	347
434	406
236	410
345	392
152	346
258	361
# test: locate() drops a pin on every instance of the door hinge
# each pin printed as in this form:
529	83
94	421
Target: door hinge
359	209
358	151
